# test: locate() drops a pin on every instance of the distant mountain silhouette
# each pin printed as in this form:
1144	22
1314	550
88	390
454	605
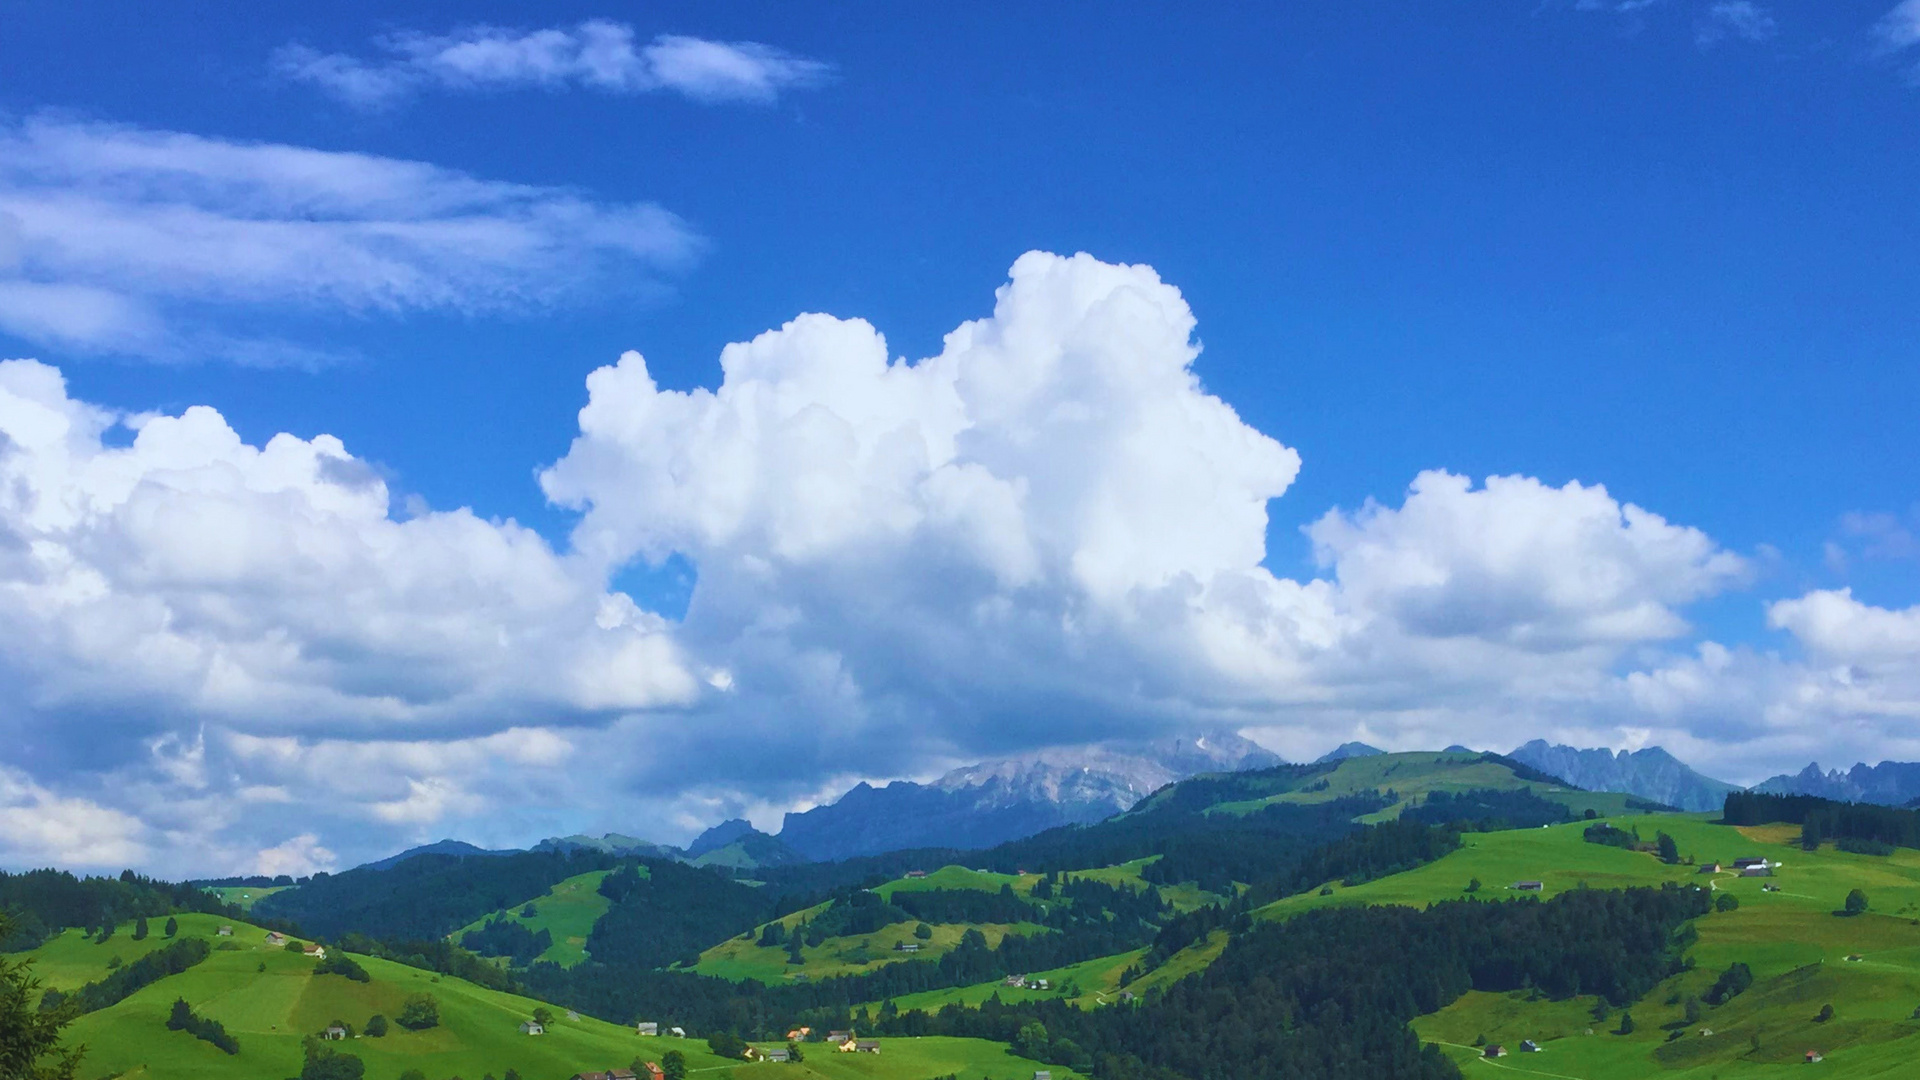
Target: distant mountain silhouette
1890	783
982	805
438	847
1349	749
1651	773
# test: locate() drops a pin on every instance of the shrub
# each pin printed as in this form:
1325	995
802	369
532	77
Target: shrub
1726	902
339	963
419	1013
376	1026
1856	902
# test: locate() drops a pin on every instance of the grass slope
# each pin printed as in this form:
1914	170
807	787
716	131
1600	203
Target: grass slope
1795	944
245	895
567	911
744	958
1412	776
269	999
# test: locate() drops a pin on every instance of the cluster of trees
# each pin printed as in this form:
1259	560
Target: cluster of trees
1732	983
1329	993
41	903
670	913
123	982
969	905
1487	809
339	963
501	936
183	1018
425	897
1824	819
440	957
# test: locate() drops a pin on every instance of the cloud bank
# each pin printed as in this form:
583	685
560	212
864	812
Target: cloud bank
1049	532
116	240
596	55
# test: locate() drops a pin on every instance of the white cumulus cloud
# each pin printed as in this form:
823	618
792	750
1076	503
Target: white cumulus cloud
595	55
119	240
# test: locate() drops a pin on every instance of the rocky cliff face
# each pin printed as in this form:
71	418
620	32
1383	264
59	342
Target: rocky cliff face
1651	773
978	806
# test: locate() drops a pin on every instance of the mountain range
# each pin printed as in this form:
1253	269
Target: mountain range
1651	773
978	806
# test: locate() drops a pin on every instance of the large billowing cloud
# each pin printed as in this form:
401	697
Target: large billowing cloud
121	240
1048	533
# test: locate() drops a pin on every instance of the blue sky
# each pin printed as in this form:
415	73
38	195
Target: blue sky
1660	247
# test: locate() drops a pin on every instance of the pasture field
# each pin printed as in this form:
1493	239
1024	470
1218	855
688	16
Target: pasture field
1413	776
742	958
245	895
1802	954
269	999
567	911
904	1059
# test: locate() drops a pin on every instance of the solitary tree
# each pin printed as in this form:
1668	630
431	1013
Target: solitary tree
1726	901
1856	902
1626	1024
1669	851
140	930
923	932
419	1013
794	1053
376	1026
1473	884
172	927
673	1065
542	1015
1826	1014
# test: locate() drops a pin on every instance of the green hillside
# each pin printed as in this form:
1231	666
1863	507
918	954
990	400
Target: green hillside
567	912
1796	947
270	999
246	895
1411	777
743	958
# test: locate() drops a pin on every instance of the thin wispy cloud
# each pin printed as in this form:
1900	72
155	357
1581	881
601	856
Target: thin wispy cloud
1899	31
130	241
597	55
1735	20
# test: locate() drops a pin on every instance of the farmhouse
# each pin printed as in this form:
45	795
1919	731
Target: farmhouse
1015	980
274	937
677	1032
1813	1056
225	931
1710	868
837	1037
1529	886
1043	1074
655	1072
1126	996
610	1074
315	952
799	1033
906	946
1496	1050
334	1031
916	873
777	1055
1750	860
1759	870
1528	1046
867	1046
646	1027
532	1027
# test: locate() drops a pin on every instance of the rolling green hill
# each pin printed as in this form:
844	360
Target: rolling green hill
567	912
1409	777
270	999
246	895
1796	946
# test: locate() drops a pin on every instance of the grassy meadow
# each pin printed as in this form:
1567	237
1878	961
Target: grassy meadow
567	911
